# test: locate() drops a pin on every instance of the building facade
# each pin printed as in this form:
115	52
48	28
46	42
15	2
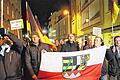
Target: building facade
11	11
83	16
86	14
59	25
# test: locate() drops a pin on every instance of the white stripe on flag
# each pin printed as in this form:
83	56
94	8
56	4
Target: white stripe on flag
78	60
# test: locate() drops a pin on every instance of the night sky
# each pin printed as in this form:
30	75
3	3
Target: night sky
43	8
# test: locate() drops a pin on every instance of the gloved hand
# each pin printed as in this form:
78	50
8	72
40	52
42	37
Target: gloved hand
34	77
3	31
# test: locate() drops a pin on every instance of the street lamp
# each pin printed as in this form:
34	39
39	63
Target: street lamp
66	12
86	20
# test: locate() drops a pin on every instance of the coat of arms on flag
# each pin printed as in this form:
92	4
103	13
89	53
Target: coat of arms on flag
73	64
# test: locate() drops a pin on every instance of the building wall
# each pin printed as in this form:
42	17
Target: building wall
61	23
84	15
76	17
73	17
12	11
93	13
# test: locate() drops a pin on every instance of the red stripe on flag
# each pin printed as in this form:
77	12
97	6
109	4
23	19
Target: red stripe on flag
90	73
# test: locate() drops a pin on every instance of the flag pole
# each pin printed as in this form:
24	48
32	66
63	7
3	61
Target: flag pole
112	10
114	14
112	33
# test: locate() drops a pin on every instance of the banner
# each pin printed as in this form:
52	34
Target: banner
78	65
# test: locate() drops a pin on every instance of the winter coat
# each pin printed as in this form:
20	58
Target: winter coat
33	57
69	47
2	71
12	59
114	64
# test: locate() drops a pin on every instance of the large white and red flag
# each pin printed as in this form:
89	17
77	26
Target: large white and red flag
78	65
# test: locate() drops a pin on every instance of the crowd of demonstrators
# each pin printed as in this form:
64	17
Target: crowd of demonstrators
112	57
70	45
10	56
21	60
110	70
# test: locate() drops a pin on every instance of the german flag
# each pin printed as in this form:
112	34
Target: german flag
28	19
32	25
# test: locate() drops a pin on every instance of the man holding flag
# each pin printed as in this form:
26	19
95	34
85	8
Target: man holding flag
34	25
33	55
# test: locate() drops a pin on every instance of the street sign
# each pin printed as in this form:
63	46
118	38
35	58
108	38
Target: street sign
97	31
16	24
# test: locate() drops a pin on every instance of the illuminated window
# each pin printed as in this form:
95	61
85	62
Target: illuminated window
13	14
8	10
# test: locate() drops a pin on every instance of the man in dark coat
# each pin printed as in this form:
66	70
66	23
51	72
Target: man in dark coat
114	66
33	55
2	71
11	51
70	45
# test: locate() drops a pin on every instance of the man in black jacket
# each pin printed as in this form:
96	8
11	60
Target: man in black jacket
114	66
2	71
12	50
33	55
70	45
